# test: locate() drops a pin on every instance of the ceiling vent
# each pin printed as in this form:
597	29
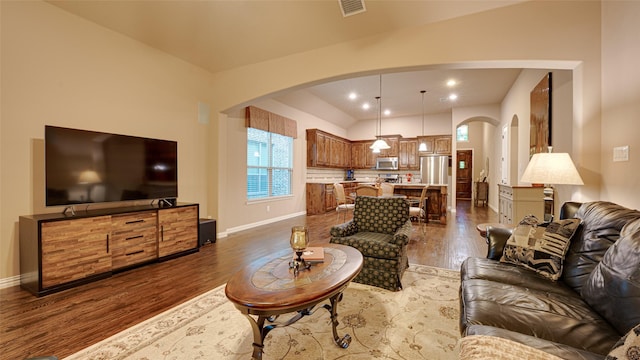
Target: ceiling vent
351	7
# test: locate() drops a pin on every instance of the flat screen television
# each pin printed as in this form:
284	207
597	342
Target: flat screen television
83	167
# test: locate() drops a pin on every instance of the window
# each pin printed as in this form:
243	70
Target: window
269	164
462	133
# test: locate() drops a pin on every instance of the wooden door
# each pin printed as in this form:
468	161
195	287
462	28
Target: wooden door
464	174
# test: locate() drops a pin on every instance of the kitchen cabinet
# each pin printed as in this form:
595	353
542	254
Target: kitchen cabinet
429	144
321	197
408	154
393	141
358	156
362	157
340	153
327	150
330	202
442	145
436	145
436	199
331	151
516	202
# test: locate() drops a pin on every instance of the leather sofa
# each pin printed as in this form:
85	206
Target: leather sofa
380	230
585	312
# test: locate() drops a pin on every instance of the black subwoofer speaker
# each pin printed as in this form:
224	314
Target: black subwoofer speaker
207	231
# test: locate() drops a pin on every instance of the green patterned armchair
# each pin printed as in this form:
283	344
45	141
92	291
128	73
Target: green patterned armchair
380	230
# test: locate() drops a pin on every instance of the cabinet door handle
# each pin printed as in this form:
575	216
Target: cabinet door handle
161	232
107	243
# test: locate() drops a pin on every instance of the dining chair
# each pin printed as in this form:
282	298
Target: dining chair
344	204
367	190
419	211
387	189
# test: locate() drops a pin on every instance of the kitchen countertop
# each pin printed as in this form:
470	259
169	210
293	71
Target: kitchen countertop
371	182
333	181
417	185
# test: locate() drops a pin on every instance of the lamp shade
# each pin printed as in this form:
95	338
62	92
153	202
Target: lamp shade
89	177
379	145
551	168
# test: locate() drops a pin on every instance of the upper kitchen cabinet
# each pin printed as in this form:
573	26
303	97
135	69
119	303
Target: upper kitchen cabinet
340	153
394	142
436	145
362	157
443	145
408	154
327	150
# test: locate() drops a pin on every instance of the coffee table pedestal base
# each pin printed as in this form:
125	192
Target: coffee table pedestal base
260	331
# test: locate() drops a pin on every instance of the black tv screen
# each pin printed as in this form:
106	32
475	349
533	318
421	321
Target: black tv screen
92	167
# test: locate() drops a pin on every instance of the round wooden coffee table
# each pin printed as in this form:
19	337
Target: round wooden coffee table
267	288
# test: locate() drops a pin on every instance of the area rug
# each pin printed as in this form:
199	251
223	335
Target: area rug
419	322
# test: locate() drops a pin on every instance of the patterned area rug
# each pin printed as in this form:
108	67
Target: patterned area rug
419	322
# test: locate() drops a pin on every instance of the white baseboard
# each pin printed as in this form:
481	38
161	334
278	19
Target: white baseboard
259	223
9	282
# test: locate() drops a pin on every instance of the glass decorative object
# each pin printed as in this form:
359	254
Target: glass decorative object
299	242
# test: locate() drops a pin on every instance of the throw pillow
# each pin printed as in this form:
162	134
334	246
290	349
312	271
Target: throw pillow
541	249
628	347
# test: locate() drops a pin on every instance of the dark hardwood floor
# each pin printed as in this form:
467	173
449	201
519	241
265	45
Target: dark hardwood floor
63	323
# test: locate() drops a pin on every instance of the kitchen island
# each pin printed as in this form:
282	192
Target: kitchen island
436	194
321	199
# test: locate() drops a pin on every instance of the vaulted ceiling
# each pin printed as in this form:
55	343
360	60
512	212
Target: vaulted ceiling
220	35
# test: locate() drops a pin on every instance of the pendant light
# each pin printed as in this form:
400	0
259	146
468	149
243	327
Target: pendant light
379	144
423	145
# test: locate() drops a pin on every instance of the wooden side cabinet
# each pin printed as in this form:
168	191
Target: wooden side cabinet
133	238
178	230
74	250
516	202
482	193
58	252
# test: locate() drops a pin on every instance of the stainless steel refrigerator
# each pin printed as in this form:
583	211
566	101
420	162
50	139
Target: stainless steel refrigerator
434	170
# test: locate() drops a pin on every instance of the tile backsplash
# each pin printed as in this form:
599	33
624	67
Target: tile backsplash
334	175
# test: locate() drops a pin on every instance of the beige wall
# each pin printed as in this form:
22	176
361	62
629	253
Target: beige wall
517	104
621	100
409	126
504	37
58	69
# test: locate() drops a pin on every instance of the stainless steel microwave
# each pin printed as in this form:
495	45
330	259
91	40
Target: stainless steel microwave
387	163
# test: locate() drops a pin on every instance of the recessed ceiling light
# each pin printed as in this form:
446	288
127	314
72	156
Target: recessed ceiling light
387	112
451	83
365	106
453	97
353	96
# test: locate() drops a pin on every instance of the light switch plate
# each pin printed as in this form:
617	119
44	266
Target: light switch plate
621	153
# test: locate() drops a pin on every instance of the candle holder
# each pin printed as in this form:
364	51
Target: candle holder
299	241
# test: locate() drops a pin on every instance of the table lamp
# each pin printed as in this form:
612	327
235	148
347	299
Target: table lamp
551	169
